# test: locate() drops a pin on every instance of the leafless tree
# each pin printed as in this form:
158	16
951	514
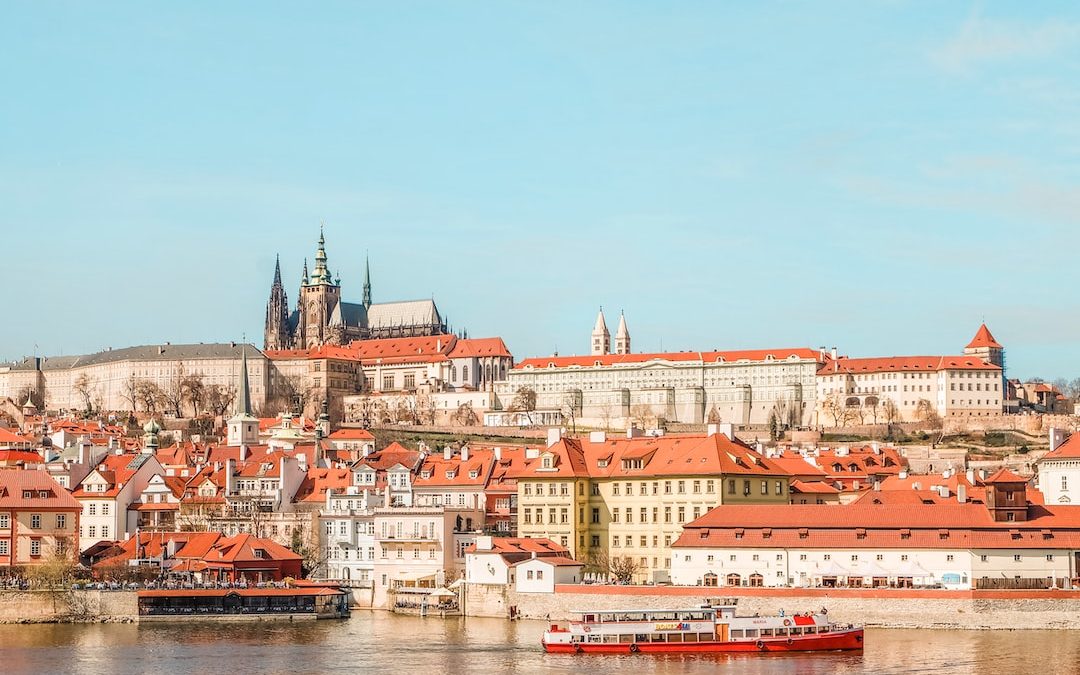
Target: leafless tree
524	401
84	387
193	390
622	569
465	415
890	411
219	398
150	395
643	415
129	391
834	407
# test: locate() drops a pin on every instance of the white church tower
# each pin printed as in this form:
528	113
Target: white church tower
601	338
243	427
622	336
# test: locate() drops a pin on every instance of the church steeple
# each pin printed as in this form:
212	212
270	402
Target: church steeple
322	273
276	333
622	336
243	428
367	283
601	338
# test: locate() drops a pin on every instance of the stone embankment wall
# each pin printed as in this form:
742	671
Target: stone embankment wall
976	610
68	606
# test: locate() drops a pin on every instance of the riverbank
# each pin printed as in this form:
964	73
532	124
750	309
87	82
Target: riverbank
69	606
880	608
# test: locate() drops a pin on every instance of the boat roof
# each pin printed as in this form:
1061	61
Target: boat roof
643	610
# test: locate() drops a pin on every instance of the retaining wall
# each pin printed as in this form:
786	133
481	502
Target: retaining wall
885	608
64	606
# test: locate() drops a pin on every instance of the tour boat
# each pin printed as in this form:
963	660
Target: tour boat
709	628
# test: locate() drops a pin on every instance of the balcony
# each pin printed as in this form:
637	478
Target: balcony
406	538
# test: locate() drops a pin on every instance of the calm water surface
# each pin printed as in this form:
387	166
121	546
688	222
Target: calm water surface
381	642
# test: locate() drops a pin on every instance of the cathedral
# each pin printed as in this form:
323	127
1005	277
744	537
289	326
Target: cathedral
322	317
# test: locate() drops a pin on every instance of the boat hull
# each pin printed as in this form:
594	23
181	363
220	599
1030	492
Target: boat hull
848	640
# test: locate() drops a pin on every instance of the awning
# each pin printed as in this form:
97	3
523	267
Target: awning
831	569
414	576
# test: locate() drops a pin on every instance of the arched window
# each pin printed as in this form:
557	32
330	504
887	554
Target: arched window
453	373
487	372
465	374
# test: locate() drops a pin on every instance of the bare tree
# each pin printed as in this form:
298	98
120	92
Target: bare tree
465	415
193	390
834	407
622	569
890	411
84	387
129	391
150	395
219	398
926	414
643	415
524	401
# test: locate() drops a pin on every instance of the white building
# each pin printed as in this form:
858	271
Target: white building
1059	470
106	494
996	544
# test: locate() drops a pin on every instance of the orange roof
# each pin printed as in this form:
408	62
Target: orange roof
318	481
442	472
905	363
1004	475
1070	449
672	455
9	438
813	487
478	347
983	338
13	483
351	435
502	545
625	359
404	350
11	457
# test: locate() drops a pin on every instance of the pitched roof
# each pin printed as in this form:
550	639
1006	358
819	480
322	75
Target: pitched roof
351	435
1004	475
9	438
983	338
1070	449
478	347
14	482
798	353
904	364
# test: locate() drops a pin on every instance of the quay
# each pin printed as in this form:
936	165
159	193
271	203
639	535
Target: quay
254	604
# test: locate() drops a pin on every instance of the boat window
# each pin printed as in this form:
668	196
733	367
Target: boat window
690	637
641	637
607	638
627	639
605	618
766	632
684	616
736	632
705	637
751	632
659	637
590	618
811	629
796	631
664	616
675	637
636	617
697	616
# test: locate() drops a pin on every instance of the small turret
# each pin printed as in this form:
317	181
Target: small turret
622	336
601	338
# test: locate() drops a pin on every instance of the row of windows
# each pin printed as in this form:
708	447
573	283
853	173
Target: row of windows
35	521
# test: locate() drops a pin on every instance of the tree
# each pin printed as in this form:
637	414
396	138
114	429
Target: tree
465	415
193	390
84	388
307	546
150	395
834	408
775	432
642	414
129	391
28	392
926	414
889	411
524	401
219	398
55	570
621	569
173	392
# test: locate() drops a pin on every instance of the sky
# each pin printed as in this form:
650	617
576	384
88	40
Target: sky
876	176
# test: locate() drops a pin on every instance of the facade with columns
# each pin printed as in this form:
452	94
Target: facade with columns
609	390
321	317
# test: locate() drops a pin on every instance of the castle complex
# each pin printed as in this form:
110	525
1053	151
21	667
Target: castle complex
321	317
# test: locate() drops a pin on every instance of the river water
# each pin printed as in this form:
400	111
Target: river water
387	643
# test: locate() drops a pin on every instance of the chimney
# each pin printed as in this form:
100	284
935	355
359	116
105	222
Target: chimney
875	447
1057	437
961	493
877	486
833	352
727	429
229	482
821	353
944	491
386	497
712	429
597	436
632	431
244	453
84	451
465	452
498	453
447	453
484	543
971	476
903	475
554	435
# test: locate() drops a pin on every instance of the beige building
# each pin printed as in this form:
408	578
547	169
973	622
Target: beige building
39	520
608	497
108	377
609	390
893	389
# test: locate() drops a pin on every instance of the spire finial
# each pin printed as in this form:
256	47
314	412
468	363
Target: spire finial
277	269
367	282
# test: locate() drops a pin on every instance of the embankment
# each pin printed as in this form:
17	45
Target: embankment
68	606
884	608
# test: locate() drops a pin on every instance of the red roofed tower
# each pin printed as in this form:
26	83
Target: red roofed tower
1006	496
986	347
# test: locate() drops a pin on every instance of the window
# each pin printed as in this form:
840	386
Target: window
697	487
667	514
5	521
731	486
105	509
682	487
410	381
949	558
615	541
1017	558
764	487
35	521
3	547
35	547
596	519
387	382
92	509
629	489
1049	557
779	487
629	515
527	515
682	514
615	489
667	487
710	486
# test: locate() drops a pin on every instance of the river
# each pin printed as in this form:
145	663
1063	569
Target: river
387	643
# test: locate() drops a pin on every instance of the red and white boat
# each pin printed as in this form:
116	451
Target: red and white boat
709	628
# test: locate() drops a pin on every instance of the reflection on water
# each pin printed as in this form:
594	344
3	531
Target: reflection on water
377	641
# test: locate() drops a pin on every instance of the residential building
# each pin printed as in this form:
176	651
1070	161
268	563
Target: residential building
206	556
107	493
605	496
1059	469
39	519
526	565
1005	541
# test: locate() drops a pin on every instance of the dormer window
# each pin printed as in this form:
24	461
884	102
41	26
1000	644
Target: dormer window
450	475
602	463
631	464
474	473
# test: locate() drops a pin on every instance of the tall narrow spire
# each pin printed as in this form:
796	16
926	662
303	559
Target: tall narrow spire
601	338
367	283
243	397
321	275
277	270
304	276
276	334
622	336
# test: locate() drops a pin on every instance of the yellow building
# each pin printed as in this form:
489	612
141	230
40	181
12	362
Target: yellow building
619	502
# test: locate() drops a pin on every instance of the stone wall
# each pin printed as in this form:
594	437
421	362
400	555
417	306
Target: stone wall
885	608
65	606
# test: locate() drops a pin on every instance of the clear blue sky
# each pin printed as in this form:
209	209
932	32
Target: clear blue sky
879	176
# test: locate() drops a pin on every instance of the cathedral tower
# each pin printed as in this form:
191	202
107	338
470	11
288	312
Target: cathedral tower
319	295
276	335
601	338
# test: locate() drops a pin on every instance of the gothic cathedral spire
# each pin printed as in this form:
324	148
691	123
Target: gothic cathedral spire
367	283
276	333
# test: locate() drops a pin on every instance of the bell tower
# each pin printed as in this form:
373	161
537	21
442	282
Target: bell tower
601	338
319	296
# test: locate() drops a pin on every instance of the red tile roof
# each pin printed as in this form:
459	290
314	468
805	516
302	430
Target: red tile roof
8	438
479	347
813	487
351	435
983	338
520	545
904	363
1070	449
710	357
1004	475
14	482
